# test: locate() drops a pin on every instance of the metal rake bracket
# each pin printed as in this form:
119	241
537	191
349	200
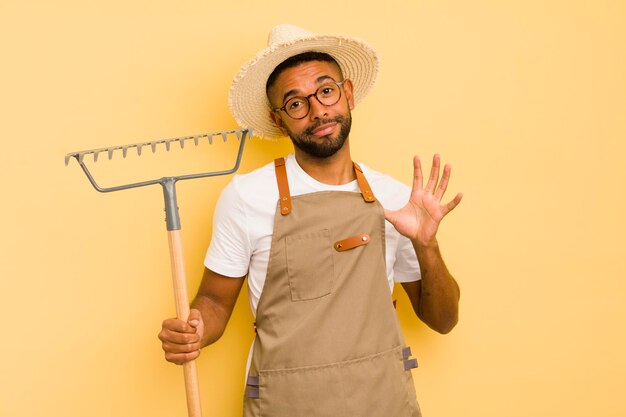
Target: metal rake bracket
168	183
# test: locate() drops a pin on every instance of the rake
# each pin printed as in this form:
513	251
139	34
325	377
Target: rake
172	220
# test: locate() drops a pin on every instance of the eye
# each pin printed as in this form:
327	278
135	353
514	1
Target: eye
327	90
294	104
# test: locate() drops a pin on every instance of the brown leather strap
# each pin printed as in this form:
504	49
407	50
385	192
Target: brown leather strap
364	186
285	196
352	242
283	186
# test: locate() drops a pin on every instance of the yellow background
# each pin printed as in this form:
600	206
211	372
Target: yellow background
526	99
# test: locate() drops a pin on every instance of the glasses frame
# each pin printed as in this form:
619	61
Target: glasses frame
308	99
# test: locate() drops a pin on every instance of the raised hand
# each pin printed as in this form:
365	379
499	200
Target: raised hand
419	219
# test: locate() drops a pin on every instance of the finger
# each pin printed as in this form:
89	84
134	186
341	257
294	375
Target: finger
181	358
417	174
452	204
168	336
390	216
443	184
195	318
178	348
434	174
178	325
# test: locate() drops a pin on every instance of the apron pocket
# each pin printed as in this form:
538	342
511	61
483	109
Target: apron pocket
374	386
310	265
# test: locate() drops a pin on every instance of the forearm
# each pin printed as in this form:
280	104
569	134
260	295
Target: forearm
214	317
438	304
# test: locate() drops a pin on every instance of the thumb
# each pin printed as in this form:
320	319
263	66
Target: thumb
195	318
390	215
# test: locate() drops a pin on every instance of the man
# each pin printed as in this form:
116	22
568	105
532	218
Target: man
310	233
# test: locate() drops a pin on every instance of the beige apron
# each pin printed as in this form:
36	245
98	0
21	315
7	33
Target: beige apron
328	339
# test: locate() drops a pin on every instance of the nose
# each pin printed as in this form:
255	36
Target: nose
316	109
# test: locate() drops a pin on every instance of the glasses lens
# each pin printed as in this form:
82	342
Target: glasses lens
328	94
297	107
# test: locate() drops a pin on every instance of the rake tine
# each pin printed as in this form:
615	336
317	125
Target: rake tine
80	156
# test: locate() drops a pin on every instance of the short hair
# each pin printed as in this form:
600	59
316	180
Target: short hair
297	60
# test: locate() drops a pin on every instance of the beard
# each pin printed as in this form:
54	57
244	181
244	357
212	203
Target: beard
330	145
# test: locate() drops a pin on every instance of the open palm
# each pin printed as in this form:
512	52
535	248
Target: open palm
419	219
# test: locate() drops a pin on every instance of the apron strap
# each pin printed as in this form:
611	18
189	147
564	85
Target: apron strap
285	196
364	186
283	186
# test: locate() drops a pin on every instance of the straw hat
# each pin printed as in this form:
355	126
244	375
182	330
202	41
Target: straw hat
247	99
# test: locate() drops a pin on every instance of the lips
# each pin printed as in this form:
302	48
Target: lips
324	129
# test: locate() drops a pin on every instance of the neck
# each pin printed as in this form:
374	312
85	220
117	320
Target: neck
334	170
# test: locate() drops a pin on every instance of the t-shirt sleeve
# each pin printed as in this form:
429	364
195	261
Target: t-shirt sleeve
229	251
406	268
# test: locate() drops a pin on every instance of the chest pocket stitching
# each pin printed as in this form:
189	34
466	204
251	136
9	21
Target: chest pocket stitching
310	265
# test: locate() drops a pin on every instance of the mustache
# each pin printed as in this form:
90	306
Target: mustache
318	123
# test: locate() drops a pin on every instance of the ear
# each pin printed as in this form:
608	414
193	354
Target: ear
347	87
278	122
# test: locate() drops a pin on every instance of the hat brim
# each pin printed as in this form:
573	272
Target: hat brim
248	101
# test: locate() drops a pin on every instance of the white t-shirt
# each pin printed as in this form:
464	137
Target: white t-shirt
244	221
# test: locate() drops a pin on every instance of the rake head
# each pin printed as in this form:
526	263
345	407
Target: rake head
240	134
153	145
168	183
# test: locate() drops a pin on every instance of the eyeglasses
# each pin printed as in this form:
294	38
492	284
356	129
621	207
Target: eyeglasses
298	107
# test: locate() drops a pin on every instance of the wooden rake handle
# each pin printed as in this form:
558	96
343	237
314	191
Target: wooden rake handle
182	312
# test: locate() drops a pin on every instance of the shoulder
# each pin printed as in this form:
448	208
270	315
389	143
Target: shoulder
252	188
250	199
391	193
251	180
